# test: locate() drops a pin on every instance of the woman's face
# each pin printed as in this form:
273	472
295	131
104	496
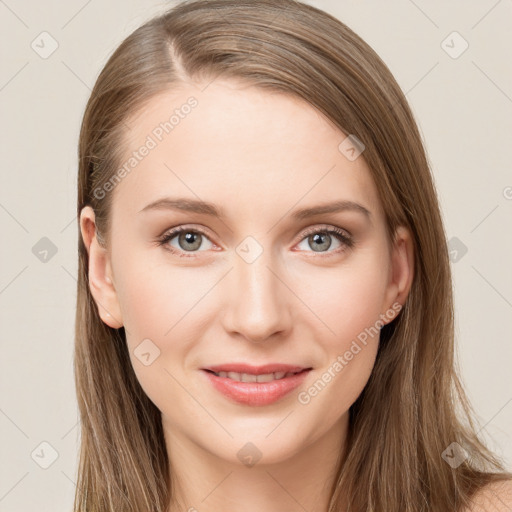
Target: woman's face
261	281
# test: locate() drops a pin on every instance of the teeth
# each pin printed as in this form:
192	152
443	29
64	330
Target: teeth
246	377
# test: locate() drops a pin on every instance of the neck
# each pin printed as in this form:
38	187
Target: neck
204	481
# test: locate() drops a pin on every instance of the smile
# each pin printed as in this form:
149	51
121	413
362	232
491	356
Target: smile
255	390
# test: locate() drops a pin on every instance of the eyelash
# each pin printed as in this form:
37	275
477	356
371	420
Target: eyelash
341	235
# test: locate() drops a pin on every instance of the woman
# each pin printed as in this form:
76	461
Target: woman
264	315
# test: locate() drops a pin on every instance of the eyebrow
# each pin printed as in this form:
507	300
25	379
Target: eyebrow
205	208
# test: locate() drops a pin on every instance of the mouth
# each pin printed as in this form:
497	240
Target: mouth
243	372
253	388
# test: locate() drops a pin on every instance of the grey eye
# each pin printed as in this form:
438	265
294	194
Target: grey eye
189	240
320	242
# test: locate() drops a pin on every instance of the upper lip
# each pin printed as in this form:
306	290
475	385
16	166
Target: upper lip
256	370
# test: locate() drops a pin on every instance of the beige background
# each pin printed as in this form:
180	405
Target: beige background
464	109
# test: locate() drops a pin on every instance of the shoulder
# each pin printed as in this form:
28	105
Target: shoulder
494	497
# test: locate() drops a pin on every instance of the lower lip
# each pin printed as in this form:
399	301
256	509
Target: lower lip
256	393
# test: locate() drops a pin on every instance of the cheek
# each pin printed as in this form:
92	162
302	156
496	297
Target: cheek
156	295
162	303
348	300
159	304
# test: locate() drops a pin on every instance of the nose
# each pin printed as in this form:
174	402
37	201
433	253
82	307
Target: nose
257	301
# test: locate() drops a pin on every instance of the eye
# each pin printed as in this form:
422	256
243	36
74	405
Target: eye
187	240
320	239
190	240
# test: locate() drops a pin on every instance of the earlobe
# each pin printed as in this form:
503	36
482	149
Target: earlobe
100	273
402	268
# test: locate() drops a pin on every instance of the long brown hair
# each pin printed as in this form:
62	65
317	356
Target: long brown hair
413	407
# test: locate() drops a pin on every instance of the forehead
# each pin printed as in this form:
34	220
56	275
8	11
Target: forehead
247	149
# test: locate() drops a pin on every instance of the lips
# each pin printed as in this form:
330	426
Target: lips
232	380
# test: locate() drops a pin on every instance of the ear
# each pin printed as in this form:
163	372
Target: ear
401	272
101	282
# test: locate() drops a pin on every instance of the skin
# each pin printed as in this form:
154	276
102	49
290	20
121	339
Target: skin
260	156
